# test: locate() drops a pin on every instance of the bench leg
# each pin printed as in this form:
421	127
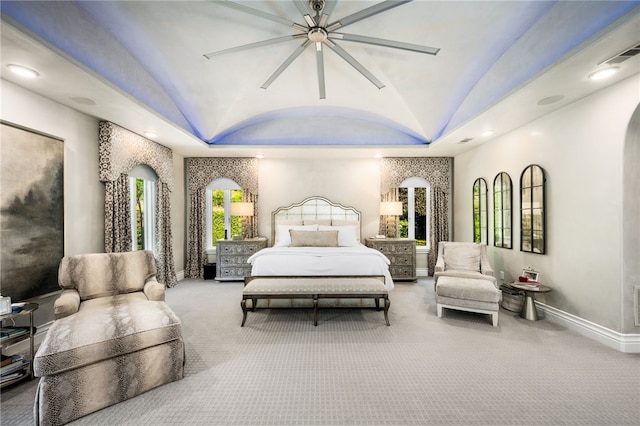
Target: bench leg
243	305
387	303
254	302
377	303
315	310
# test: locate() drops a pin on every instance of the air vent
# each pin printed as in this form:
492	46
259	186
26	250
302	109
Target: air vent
623	56
466	140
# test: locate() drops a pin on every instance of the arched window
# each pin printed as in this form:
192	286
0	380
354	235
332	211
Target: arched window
480	219
142	189
414	222
220	193
532	217
502	218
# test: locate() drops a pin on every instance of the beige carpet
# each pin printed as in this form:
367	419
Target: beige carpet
354	370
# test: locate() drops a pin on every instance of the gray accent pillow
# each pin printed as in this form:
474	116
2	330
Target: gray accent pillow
313	238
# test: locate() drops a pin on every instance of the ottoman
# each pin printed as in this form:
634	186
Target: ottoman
468	294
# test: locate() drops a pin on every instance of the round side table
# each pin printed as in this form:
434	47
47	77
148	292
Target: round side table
529	311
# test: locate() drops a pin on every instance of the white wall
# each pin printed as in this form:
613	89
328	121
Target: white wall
581	149
352	182
83	192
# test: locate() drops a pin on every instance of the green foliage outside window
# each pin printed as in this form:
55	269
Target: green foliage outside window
140	214
217	205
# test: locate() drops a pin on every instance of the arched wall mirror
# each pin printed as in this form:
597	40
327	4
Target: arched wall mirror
502	216
480	219
532	210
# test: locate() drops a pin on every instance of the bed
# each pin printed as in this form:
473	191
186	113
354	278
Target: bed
317	237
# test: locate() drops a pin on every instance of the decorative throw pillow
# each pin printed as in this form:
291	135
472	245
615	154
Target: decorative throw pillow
313	238
283	238
336	222
347	236
462	258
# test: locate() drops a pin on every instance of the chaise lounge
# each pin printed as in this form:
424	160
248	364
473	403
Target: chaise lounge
113	338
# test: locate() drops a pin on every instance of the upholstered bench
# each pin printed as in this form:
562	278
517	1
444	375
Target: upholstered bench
315	288
468	294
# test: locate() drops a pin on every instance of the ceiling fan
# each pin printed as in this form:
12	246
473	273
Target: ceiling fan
319	32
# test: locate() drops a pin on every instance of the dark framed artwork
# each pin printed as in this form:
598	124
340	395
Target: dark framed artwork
31	212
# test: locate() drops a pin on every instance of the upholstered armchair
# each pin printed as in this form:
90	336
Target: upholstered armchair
464	280
113	338
463	260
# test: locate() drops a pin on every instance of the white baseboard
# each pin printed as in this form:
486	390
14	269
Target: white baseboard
628	343
422	272
180	275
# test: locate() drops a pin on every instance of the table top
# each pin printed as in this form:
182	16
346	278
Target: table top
538	288
26	309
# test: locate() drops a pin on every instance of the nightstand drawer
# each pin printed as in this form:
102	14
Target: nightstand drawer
232	256
401	252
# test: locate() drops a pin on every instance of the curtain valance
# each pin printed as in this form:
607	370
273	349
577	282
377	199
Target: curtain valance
435	170
243	171
122	150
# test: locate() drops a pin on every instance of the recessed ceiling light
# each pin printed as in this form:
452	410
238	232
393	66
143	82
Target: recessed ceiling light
550	100
378	155
603	73
23	71
150	135
82	100
258	156
486	133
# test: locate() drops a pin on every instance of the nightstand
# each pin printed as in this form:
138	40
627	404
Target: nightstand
401	252
232	255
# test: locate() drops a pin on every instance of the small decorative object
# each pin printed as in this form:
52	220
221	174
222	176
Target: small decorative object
529	275
5	305
237	237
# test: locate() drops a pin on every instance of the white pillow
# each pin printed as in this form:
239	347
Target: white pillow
283	239
347	235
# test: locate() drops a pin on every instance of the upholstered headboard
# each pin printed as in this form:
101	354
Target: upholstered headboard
315	209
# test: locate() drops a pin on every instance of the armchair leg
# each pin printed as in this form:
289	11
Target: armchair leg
439	307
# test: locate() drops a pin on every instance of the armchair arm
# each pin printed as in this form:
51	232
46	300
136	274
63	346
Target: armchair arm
439	264
485	266
153	289
66	304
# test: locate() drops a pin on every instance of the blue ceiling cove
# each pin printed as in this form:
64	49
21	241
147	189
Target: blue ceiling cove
318	126
153	53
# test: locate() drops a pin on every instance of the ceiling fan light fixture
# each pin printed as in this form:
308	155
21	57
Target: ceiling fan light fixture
23	71
603	73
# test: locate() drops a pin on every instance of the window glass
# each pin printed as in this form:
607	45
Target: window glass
502	210
414	222
220	223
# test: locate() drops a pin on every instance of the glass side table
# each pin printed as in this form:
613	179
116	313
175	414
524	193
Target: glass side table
14	335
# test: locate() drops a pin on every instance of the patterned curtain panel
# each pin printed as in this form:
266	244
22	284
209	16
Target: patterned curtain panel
117	215
196	235
164	238
120	151
200	172
435	170
439	230
250	226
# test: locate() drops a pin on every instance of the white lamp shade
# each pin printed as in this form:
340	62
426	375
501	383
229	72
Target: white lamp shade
391	208
241	209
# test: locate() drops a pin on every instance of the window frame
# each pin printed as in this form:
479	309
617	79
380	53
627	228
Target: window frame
480	226
227	185
410	184
527	204
149	179
505	191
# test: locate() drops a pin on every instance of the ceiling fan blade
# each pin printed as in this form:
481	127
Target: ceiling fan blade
264	15
386	43
302	7
256	44
329	5
286	63
320	62
354	63
366	13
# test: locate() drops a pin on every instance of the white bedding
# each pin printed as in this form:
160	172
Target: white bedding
301	261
